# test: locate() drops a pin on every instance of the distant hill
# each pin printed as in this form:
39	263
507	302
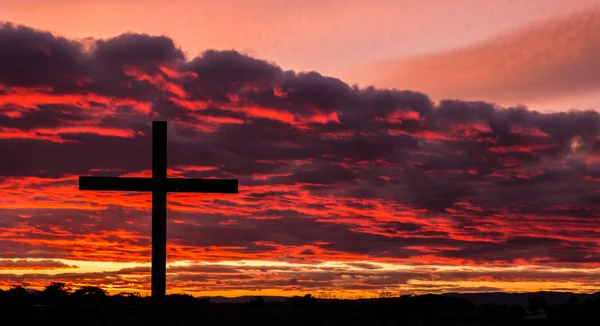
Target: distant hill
522	299
495	298
243	299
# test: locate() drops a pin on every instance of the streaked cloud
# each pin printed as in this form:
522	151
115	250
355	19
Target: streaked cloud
342	188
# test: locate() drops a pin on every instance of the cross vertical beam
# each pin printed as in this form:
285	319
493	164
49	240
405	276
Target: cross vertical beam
159	211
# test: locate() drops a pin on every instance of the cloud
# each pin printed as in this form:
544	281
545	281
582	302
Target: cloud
550	60
22	264
328	172
37	59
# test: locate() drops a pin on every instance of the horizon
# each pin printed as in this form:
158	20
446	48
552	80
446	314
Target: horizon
320	295
484	177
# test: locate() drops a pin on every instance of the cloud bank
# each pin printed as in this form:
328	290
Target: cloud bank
329	174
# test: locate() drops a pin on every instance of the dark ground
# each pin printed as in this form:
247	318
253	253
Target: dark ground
95	308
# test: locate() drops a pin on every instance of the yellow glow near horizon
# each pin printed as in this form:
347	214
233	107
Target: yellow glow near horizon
414	286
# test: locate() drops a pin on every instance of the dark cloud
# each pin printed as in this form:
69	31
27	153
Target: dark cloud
32	58
138	50
228	71
33	264
50	159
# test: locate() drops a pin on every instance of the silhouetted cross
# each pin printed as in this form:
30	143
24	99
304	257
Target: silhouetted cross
159	185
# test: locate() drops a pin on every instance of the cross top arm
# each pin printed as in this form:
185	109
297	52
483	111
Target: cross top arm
223	186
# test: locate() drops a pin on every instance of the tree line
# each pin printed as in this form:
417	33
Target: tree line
91	305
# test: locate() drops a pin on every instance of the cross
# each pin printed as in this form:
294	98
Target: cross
159	185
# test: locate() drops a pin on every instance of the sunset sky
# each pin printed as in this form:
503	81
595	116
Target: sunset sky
415	146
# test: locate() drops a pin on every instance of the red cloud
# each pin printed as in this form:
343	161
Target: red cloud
329	174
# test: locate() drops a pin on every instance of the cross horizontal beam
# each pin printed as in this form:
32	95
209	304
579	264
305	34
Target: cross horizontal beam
224	186
221	186
115	183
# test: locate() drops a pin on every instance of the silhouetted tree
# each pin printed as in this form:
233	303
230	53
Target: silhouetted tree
257	300
18	291
181	300
57	288
90	291
56	292
297	300
181	296
17	294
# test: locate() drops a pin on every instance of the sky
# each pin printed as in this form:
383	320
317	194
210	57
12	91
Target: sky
408	146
